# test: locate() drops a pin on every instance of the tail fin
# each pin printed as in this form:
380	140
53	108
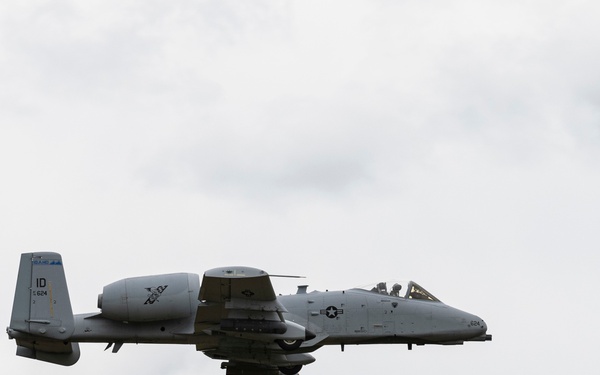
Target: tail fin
42	319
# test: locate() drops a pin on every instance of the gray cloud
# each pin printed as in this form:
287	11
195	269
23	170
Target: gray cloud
454	143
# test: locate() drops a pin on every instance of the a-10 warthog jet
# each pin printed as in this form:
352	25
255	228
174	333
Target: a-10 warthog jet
233	315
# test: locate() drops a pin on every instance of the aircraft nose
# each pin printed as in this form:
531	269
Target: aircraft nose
452	325
472	325
478	326
477	323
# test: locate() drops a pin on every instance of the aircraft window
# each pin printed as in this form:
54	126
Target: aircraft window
396	290
418	292
380	288
389	288
402	289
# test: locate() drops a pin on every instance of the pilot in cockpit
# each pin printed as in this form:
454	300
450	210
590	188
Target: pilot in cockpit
396	290
381	288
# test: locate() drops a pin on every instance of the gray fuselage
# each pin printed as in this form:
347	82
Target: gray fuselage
352	316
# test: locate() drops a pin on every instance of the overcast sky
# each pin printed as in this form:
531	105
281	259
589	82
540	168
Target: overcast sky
456	143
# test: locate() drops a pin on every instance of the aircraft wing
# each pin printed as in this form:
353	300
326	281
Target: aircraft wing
236	293
240	319
227	283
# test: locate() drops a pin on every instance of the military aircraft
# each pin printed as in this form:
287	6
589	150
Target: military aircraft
234	315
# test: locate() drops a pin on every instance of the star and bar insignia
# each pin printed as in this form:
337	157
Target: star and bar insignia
332	312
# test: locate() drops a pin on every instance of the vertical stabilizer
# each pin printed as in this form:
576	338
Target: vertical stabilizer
42	318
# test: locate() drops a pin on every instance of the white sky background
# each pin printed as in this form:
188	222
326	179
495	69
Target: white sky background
456	143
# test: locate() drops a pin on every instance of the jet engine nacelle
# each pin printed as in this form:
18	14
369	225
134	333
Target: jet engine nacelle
151	298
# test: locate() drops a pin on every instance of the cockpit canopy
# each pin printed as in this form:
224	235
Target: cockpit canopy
403	289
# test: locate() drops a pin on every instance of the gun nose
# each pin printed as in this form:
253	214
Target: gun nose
478	323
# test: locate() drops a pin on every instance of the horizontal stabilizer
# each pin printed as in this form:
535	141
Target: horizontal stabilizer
53	352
